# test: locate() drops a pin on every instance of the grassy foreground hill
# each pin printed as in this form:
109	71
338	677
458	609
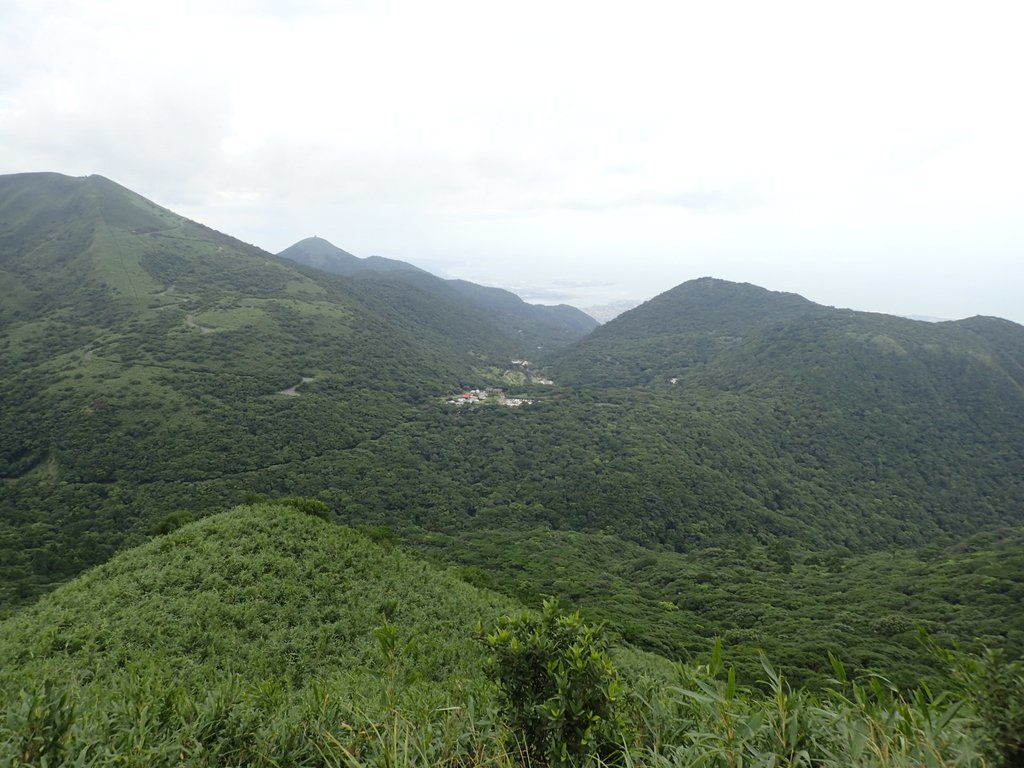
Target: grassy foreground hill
266	636
263	591
251	637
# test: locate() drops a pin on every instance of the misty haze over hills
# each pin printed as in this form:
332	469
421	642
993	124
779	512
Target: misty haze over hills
320	253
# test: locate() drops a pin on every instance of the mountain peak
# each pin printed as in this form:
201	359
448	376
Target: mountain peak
322	254
729	289
709	304
319	244
686	323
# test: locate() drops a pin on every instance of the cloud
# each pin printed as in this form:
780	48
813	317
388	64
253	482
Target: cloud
700	199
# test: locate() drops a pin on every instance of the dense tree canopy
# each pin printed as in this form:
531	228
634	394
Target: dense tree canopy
723	461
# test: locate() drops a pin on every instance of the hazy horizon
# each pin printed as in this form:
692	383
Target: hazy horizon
862	156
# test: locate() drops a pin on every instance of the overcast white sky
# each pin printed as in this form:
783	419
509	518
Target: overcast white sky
863	154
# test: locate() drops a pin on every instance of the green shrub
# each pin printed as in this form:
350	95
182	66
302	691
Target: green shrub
172	521
313	507
561	694
39	725
996	686
378	534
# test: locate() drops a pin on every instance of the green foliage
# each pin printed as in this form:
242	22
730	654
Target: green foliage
39	721
172	521
260	637
708	718
148	719
313	507
378	534
561	692
815	480
995	684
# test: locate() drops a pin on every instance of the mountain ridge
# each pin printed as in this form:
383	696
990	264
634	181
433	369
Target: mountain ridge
699	319
532	326
141	350
322	254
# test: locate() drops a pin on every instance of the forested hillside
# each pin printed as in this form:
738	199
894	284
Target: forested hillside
723	461
912	429
531	329
148	361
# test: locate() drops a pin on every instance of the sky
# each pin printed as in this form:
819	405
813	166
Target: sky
862	154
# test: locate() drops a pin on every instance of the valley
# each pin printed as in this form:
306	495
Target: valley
722	472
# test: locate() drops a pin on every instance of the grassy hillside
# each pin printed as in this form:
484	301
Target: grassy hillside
263	591
266	636
251	637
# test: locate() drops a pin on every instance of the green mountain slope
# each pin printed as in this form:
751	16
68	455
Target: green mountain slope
148	363
683	327
546	327
321	254
98	267
151	365
896	426
528	328
727	335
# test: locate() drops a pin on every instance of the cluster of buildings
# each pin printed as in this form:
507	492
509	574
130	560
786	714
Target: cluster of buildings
496	395
492	395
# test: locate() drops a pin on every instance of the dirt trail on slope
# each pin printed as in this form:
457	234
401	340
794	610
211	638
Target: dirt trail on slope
191	323
293	391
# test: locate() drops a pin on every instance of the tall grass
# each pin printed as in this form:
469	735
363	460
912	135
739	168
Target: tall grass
702	718
706	719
